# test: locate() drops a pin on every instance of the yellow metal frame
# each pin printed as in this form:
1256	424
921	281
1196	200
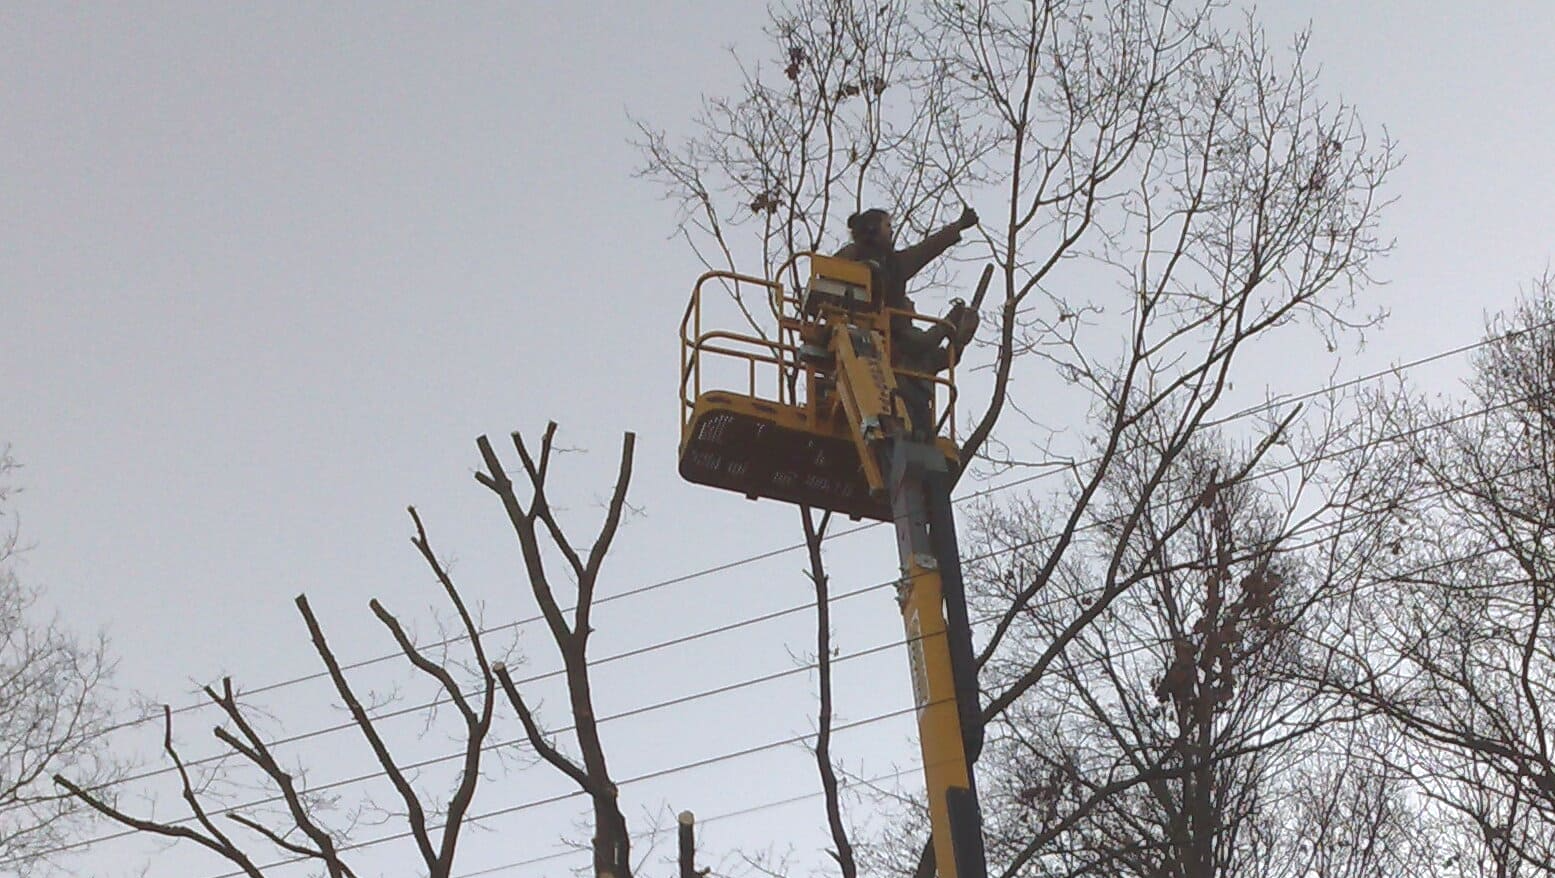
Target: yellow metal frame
781	354
940	736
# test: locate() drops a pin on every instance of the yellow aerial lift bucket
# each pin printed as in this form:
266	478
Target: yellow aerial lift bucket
773	425
820	413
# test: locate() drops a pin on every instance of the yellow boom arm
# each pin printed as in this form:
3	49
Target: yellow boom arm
913	474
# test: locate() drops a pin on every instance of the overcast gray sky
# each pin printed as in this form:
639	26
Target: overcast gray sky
267	270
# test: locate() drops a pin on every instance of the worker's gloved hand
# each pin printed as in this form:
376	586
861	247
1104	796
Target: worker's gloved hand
964	320
968	219
957	308
966	327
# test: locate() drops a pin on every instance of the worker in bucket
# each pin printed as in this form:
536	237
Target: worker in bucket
915	349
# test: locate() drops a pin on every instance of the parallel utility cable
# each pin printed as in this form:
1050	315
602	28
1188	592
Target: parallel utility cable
717	818
673	702
674	769
791	610
770	616
1072	665
700	822
800	739
530	620
772	553
1299	532
651	775
426	763
742	684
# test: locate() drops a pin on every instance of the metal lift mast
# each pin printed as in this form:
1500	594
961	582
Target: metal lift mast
914	475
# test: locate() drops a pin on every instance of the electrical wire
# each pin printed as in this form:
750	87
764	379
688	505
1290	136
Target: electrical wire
772	553
1301	532
731	687
420	708
679	768
651	775
725	757
700	821
677	701
512	742
800	608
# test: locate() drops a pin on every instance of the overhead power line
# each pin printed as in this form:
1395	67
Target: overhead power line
770	616
1111	656
793	547
792	610
651	775
744	683
756	681
674	769
732	626
700	821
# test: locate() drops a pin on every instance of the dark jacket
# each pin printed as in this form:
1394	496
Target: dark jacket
897	267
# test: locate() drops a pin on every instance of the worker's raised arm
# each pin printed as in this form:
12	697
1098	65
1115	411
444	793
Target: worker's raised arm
914	258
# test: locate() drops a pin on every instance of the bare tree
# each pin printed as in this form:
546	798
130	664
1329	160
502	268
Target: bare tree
53	715
847	112
1343	815
842	844
1457	649
297	821
1163	191
1181	733
534	525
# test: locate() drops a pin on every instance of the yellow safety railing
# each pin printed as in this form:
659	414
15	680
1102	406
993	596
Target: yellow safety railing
781	356
754	350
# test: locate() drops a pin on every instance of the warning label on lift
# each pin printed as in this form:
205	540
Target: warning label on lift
920	669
